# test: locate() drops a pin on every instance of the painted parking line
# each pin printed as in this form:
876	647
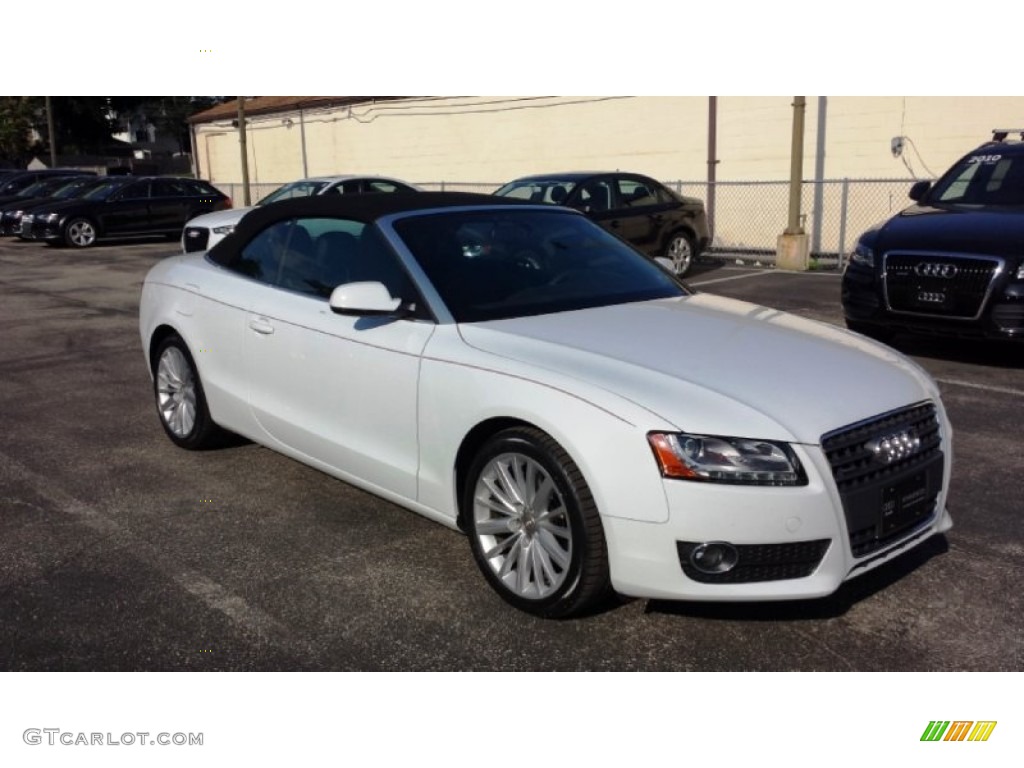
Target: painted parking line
215	596
761	273
984	387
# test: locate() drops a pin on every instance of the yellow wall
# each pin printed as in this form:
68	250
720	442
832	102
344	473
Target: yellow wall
493	139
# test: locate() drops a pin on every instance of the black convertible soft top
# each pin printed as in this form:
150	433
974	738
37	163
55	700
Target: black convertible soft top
365	208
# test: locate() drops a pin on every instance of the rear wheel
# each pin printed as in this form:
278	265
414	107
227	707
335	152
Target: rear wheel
79	233
680	251
533	526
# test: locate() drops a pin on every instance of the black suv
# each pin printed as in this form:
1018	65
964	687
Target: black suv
953	263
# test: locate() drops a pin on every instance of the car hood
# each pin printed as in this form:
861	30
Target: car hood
997	231
219	218
712	365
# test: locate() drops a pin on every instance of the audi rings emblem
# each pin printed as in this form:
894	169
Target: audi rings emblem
931	269
895	447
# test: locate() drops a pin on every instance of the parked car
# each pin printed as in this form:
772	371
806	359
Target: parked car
66	188
123	207
640	210
14	183
40	188
204	232
952	263
514	371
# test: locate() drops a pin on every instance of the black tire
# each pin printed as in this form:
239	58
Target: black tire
180	400
876	332
549	558
681	251
80	232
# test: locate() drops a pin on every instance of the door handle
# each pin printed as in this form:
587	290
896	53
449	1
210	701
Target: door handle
261	325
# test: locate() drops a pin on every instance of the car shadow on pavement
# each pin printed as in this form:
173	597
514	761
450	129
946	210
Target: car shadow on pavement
830	607
990	353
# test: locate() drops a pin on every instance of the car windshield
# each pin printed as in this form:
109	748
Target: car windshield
985	178
303	188
539	191
40	188
103	191
496	264
74	188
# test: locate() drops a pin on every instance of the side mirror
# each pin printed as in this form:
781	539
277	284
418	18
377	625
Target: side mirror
363	299
919	190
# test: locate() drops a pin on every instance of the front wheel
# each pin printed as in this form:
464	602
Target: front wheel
533	525
79	233
680	251
180	401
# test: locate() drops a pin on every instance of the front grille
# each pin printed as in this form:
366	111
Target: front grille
939	284
196	239
760	562
888	471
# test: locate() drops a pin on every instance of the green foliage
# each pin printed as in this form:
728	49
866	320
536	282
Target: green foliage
18	115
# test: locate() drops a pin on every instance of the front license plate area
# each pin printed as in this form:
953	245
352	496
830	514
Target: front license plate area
929	297
904	502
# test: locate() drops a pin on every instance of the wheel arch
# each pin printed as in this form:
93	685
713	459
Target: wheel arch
157	337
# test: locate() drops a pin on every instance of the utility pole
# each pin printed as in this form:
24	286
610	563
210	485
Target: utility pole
246	199
52	132
792	248
712	161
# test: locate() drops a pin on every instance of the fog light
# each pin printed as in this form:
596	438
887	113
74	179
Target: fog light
714	557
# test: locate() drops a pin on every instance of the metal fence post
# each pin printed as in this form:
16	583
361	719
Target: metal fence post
843	200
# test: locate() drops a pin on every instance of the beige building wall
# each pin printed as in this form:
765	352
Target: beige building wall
494	139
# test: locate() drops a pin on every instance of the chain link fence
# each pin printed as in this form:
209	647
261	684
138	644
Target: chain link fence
747	216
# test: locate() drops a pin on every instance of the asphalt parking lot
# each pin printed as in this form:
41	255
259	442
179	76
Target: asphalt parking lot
119	551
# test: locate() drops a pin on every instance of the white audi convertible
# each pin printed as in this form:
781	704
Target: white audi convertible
515	372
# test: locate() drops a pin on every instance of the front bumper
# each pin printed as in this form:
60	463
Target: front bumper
33	228
793	542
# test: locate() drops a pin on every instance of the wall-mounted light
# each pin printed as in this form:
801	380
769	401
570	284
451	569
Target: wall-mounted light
287	122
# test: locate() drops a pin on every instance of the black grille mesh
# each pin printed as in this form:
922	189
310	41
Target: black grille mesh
964	292
858	474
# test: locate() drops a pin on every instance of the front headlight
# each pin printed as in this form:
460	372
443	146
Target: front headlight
227	229
1020	272
863	255
734	460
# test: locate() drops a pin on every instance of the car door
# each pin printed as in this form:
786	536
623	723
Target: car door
127	210
339	389
168	206
642	212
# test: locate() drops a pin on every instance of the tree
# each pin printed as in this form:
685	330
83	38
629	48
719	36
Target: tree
18	115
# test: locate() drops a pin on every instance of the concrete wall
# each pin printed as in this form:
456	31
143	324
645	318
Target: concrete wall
494	139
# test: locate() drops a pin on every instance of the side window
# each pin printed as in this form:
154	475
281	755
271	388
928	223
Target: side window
595	196
168	188
262	257
137	191
635	194
379	185
350	187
